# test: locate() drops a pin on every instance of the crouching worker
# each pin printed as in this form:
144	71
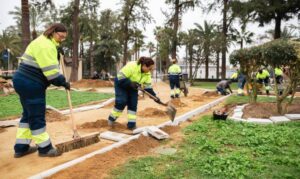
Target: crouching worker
132	76
39	68
263	78
222	87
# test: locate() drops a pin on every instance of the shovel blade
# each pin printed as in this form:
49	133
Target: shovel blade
171	111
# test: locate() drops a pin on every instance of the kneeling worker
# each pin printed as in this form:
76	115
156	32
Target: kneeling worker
222	87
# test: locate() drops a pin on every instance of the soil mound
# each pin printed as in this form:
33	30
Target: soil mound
103	124
265	110
197	98
210	94
171	129
152	112
177	103
97	167
53	116
2	130
88	83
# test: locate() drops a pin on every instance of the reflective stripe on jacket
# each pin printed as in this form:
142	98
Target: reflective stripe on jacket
42	54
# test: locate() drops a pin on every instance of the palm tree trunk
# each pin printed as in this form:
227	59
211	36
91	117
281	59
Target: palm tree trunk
277	31
224	43
75	35
175	30
206	66
218	65
25	24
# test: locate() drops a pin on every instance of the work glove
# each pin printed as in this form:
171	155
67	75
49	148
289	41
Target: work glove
67	86
134	85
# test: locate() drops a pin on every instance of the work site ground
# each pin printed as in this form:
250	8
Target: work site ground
149	113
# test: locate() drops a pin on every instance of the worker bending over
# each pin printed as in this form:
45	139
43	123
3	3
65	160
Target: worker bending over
132	76
263	78
222	87
39	68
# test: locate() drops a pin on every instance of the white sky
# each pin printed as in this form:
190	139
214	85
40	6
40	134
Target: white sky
155	7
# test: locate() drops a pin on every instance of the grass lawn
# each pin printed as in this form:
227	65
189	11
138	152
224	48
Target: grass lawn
212	85
225	149
10	105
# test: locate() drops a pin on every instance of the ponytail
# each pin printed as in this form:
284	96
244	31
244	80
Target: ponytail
148	61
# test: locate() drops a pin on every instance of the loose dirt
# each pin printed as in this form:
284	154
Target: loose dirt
178	103
152	112
197	98
2	130
88	83
98	166
265	110
53	116
171	129
210	94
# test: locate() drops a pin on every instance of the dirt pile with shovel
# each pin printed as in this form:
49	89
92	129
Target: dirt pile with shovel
88	83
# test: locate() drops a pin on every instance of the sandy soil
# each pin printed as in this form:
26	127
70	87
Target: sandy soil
265	110
87	122
84	83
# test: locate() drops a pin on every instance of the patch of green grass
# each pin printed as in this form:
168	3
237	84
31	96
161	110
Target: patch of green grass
225	149
10	105
212	85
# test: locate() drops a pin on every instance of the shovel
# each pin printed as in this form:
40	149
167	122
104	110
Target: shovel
171	111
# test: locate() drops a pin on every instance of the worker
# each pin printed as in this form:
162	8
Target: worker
241	79
174	73
263	77
134	75
38	69
222	87
279	79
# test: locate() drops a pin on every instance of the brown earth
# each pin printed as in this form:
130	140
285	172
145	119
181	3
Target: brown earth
171	129
89	83
2	130
178	103
52	116
98	165
265	110
152	112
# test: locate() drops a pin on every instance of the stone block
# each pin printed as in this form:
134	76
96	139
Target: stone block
293	117
259	121
279	119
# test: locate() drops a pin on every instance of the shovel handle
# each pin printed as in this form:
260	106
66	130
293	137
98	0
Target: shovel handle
153	97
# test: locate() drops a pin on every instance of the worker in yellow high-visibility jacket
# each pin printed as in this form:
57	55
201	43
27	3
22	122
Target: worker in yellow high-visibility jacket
39	68
174	73
132	76
263	77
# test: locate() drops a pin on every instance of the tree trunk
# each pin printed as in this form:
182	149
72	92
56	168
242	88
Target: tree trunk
75	36
191	63
277	31
224	43
206	66
91	56
242	43
218	65
25	24
33	34
175	30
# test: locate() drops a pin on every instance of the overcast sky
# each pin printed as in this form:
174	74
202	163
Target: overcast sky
155	7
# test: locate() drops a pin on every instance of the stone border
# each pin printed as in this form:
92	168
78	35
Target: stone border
238	113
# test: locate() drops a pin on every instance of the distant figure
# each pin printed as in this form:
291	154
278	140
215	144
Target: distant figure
279	79
174	73
222	87
241	78
95	75
263	78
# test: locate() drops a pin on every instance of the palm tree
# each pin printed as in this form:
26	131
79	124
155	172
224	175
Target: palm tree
206	33
151	48
242	36
25	24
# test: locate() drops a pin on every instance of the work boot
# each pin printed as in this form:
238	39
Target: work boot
51	153
131	125
177	96
172	96
29	151
111	123
268	93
